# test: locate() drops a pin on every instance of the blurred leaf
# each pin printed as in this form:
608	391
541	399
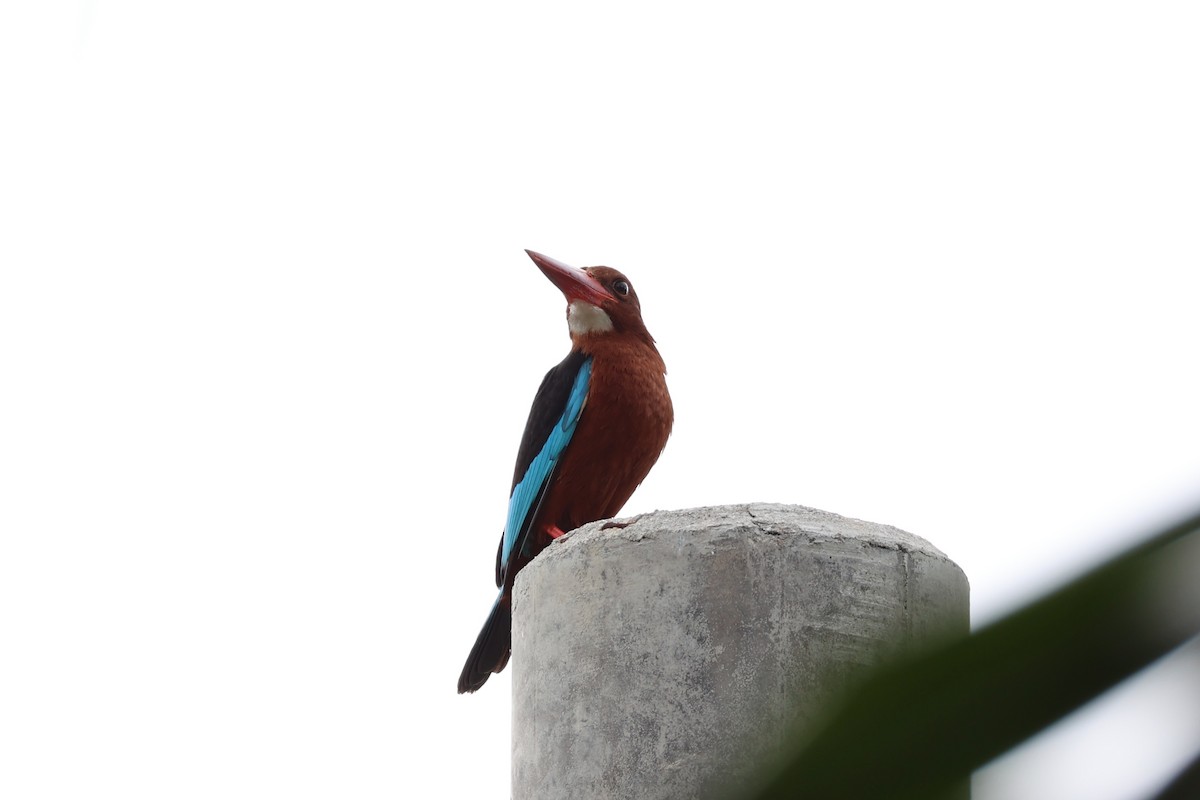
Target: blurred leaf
1185	786
919	728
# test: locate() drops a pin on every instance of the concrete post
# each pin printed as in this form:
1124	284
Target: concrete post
657	660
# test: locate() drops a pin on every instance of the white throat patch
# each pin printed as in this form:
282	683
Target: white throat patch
584	318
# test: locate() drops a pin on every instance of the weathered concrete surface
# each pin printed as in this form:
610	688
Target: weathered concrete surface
651	661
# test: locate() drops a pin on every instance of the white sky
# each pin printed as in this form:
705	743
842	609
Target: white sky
268	339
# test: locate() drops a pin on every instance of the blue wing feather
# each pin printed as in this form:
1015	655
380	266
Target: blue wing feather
528	491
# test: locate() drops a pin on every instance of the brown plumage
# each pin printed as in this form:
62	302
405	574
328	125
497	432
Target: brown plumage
623	429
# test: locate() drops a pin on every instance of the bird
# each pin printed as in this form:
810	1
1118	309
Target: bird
599	421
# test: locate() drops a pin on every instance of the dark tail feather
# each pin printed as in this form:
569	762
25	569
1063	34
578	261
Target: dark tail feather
491	649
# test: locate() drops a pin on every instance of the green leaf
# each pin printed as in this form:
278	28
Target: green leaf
1185	785
918	729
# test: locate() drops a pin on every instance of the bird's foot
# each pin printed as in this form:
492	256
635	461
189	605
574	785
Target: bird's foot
620	523
554	531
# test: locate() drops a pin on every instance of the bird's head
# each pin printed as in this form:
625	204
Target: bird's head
600	300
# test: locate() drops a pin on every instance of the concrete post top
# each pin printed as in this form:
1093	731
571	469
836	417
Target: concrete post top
671	657
773	519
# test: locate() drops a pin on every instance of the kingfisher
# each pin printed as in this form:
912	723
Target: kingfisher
599	421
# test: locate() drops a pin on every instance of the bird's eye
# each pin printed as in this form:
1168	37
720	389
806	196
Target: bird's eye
621	288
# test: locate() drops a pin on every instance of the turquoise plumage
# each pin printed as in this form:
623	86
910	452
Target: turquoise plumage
521	504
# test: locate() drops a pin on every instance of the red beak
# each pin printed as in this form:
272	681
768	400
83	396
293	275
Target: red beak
574	283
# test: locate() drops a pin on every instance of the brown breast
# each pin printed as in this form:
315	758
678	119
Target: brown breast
622	430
